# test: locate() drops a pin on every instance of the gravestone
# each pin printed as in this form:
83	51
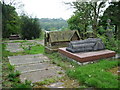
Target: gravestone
90	44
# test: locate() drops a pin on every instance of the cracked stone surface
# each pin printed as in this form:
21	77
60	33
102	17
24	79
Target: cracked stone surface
14	47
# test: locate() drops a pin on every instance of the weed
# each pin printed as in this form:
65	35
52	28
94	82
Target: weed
11	67
14	74
59	72
47	81
26	84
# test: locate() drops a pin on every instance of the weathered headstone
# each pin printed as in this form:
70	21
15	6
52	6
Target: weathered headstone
90	44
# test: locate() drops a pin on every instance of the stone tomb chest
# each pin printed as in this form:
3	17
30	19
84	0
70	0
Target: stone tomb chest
57	39
90	44
87	50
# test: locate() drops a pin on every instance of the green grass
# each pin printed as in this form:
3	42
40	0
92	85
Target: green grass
37	49
22	41
90	75
34	49
96	75
61	61
16	41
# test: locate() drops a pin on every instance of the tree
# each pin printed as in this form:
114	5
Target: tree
30	27
90	11
10	21
81	18
112	13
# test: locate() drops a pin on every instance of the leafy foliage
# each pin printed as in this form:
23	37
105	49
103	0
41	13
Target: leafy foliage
30	28
10	21
112	13
86	13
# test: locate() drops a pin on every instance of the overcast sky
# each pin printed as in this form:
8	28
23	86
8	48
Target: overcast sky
48	8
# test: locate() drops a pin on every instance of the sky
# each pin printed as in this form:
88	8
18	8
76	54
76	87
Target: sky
47	8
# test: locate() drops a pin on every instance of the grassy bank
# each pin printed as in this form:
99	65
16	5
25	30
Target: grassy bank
94	75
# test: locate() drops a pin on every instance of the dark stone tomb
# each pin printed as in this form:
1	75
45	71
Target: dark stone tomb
90	44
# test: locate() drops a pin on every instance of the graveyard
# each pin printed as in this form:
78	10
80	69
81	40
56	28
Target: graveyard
31	65
79	50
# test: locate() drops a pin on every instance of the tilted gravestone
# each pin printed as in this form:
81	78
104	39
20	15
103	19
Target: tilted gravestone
90	44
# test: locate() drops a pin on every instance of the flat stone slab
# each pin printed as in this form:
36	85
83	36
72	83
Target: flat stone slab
14	47
87	56
27	59
33	67
41	75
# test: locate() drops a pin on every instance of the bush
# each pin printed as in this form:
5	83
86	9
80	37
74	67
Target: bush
110	43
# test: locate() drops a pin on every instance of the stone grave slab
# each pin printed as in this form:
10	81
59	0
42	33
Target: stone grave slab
41	75
32	67
27	59
14	47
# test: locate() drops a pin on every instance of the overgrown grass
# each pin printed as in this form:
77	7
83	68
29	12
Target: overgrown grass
61	61
34	49
96	75
37	49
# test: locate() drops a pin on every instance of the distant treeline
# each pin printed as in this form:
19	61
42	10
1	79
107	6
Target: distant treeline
53	24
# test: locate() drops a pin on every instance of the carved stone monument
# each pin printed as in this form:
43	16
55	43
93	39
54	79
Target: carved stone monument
90	44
